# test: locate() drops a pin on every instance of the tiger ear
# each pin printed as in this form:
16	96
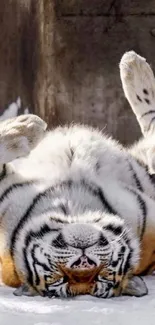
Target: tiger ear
24	290
135	287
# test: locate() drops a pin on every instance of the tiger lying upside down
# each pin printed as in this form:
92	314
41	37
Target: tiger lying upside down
78	214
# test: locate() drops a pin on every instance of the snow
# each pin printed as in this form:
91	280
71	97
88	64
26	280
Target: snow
82	310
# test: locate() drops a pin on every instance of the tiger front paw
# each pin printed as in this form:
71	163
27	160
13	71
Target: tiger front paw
18	136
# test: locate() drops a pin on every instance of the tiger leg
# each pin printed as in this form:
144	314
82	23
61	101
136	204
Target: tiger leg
139	87
18	136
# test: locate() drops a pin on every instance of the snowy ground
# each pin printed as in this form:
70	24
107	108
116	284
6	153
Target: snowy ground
80	311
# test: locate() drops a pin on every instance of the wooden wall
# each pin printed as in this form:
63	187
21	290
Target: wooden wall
61	57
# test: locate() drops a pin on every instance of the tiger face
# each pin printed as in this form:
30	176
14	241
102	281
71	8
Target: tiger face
68	259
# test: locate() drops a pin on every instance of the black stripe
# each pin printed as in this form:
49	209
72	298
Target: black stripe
27	242
116	230
30	274
11	188
64	208
37	279
144	213
59	242
3	172
25	218
143	208
152	111
105	202
146	169
121	258
29	211
128	263
120	271
102	241
36	262
151	176
42	231
98	192
136	179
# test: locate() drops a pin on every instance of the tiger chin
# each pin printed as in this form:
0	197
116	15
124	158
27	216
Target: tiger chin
77	209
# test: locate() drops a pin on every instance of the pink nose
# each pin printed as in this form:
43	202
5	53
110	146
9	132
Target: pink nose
83	262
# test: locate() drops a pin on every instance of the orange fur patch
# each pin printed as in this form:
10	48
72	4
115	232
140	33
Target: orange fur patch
147	256
8	273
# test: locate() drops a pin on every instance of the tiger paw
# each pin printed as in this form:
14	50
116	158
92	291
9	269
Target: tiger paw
139	88
18	136
24	290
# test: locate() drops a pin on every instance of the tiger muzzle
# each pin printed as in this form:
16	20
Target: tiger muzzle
81	281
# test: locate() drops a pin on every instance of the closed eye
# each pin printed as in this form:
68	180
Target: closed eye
102	279
57	283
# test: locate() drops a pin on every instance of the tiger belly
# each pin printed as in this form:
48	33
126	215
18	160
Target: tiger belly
147	256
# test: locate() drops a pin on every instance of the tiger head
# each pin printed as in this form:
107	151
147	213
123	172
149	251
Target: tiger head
62	259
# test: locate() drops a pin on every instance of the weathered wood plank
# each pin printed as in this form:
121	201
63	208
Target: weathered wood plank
27	56
105	7
43	17
15	69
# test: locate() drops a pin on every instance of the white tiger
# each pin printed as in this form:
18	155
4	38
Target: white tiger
77	215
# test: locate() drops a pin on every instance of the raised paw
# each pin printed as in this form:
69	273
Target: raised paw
139	88
18	136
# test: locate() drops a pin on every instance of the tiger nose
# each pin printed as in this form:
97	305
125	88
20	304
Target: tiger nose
83	262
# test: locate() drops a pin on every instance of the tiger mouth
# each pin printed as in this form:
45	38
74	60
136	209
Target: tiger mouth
83	262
